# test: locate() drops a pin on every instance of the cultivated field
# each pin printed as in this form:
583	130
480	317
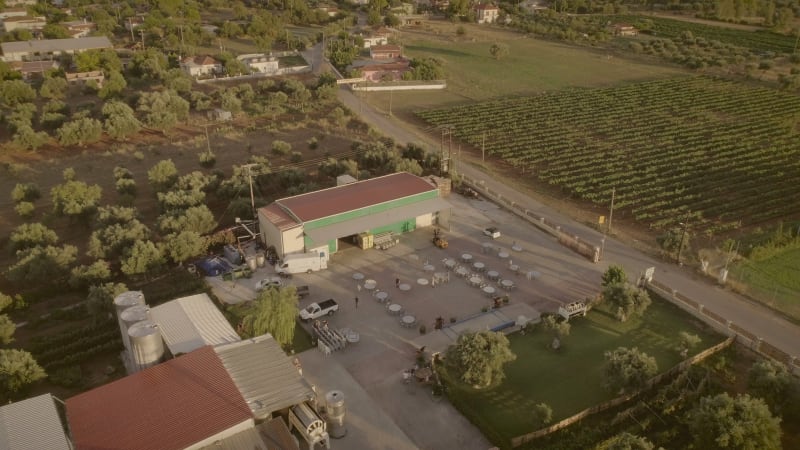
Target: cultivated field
717	154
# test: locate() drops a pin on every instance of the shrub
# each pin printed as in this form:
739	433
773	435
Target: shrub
313	143
24	209
281	147
296	157
207	158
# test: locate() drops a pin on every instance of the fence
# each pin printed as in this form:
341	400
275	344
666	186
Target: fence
411	85
574	243
726	326
680	367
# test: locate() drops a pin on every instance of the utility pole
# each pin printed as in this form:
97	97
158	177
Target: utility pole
130	25
250	178
611	211
391	91
483	148
208	142
141	32
685	224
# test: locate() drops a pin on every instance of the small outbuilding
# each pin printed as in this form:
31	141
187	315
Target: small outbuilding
188	323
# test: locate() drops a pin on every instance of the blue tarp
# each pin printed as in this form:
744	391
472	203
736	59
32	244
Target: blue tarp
213	266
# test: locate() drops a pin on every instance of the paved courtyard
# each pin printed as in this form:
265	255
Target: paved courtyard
383	412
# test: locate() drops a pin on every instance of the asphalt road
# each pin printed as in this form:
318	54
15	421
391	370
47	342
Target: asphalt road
757	319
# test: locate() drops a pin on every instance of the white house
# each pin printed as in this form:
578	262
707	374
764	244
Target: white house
197	66
260	63
486	13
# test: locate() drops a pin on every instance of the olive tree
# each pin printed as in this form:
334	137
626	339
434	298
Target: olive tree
30	235
42	263
628	368
479	357
121	121
100	300
743	422
629	300
75	199
184	245
80	132
143	258
17	370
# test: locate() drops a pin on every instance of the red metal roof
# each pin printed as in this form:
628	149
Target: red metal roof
169	406
278	217
340	199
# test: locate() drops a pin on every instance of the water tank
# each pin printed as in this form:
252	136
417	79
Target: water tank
335	414
121	303
129	317
232	254
260	259
147	347
251	262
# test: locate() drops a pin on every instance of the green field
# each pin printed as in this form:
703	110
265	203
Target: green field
531	66
718	154
774	280
570	380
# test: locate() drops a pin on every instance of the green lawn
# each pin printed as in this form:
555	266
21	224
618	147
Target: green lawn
570	380
774	280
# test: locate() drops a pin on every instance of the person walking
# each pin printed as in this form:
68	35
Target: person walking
397	283
358	286
356	302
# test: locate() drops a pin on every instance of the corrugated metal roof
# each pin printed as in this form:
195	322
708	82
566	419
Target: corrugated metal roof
54	45
361	224
340	199
189	323
264	375
278	217
271	435
32	424
166	407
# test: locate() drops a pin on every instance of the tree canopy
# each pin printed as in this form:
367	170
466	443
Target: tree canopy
479	357
614	275
629	300
18	369
30	235
626	441
741	423
275	312
75	198
628	368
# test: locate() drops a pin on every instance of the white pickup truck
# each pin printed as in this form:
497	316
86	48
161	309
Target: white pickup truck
317	310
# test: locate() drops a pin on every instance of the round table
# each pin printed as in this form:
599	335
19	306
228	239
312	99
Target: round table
493	275
516	248
514	268
486	247
449	263
408	320
423	281
352	337
507	284
479	266
428	268
475	281
502	255
382	296
405	287
466	257
489	291
440	277
370	284
462	272
395	309
358	276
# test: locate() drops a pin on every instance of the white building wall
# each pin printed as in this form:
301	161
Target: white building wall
293	241
425	220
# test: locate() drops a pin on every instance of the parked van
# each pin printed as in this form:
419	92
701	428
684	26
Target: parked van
301	262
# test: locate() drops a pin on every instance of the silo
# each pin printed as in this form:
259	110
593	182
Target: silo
251	262
335	414
147	347
129	317
121	303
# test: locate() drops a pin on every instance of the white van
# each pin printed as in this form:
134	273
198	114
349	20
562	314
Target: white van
301	262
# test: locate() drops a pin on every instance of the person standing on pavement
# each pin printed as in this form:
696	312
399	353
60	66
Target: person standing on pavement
356	302
397	283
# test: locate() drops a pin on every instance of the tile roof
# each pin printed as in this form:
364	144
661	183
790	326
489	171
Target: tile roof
340	199
200	60
385	48
188	323
170	406
32	424
265	376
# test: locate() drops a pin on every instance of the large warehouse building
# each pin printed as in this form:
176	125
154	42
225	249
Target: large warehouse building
328	220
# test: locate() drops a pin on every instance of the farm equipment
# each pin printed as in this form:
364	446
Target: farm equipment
438	240
467	191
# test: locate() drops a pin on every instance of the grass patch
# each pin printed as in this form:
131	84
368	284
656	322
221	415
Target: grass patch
291	61
570	380
774	280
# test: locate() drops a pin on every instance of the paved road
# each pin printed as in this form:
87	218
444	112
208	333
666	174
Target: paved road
751	316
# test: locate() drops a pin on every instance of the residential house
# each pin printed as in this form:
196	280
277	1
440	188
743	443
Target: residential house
624	29
34	69
385	51
219	115
18	3
486	13
331	11
260	63
533	6
24	23
198	66
79	28
375	39
83	77
385	72
360	2
49	48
